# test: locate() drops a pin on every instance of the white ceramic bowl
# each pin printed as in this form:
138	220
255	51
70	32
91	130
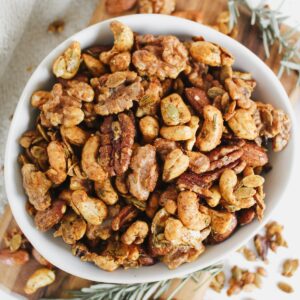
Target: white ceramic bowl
268	89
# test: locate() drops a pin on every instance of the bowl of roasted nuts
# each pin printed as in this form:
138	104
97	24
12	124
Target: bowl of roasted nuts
147	147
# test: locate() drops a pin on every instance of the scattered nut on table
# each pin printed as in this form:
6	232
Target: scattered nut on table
40	278
147	150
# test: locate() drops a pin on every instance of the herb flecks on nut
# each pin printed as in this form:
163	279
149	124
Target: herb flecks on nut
147	150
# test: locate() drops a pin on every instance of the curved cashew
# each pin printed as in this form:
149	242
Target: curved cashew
228	181
89	162
40	278
123	41
92	209
194	125
135	233
188	211
215	196
106	192
176	133
212	129
58	162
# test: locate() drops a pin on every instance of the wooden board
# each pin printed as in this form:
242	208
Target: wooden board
14	278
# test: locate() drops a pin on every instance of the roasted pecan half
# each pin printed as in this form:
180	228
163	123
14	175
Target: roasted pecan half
45	220
225	155
117	138
126	214
254	155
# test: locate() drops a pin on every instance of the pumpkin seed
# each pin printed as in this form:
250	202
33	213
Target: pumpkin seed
172	112
244	192
253	181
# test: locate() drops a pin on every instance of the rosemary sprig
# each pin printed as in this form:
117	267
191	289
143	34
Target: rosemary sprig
269	22
144	291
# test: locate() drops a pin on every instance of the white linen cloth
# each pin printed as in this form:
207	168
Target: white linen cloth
24	42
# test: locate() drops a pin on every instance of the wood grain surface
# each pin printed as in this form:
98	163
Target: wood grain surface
14	278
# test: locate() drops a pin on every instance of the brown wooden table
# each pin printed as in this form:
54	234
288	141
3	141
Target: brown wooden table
14	278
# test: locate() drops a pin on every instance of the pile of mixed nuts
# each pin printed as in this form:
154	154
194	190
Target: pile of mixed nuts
147	150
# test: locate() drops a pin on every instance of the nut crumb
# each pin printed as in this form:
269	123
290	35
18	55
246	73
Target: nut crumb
57	26
285	287
249	254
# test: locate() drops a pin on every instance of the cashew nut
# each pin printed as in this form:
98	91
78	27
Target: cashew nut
89	162
212	129
243	196
106	192
40	278
194	125
188	211
58	162
123	41
175	164
120	62
228	181
92	209
39	98
176	133
67	64
215	196
74	135
135	233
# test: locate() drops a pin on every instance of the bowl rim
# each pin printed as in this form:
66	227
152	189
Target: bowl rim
171	273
